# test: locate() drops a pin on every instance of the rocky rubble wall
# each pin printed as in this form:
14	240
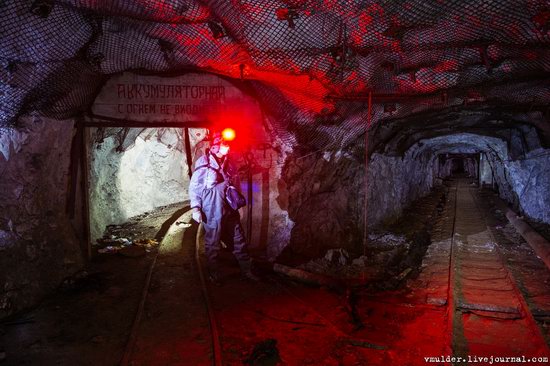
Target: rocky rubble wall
38	246
524	182
530	181
325	194
394	182
502	182
486	173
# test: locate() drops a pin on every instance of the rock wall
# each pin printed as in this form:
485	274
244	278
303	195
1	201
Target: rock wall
486	173
471	167
324	192
394	182
38	245
524	182
151	173
502	182
530	181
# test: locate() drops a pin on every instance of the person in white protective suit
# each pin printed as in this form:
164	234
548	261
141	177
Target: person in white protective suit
213	173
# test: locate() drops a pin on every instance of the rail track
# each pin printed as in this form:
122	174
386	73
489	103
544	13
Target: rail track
488	312
469	290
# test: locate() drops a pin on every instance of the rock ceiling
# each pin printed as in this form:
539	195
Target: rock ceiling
311	63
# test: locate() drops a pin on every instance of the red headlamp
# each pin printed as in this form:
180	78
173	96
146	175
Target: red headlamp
228	134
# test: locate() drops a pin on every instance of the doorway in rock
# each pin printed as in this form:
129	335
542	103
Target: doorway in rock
459	165
138	178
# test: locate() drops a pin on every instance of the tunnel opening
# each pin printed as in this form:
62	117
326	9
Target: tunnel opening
138	178
459	165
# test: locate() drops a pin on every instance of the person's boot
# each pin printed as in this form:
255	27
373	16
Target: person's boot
246	270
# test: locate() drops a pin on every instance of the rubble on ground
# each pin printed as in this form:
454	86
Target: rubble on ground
140	231
383	250
112	244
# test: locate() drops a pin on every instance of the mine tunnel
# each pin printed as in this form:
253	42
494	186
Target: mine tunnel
274	182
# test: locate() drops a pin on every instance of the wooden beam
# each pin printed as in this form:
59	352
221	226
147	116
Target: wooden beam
188	156
250	200
73	170
84	168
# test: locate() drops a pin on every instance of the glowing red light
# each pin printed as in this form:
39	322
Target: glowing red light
228	134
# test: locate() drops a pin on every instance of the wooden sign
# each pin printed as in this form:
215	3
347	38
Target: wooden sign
147	98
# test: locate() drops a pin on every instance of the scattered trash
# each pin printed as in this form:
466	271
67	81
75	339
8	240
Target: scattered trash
109	249
404	274
147	243
112	244
264	353
139	230
113	240
384	250
498	227
185	224
124	241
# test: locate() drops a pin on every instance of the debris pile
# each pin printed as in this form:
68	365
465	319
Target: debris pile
112	244
140	234
384	250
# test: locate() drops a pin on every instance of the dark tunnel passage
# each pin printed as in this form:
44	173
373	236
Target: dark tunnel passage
459	164
391	161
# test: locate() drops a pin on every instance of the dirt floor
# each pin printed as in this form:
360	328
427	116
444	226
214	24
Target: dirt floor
88	320
450	277
87	323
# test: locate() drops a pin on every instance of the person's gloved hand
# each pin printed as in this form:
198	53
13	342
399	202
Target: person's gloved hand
197	216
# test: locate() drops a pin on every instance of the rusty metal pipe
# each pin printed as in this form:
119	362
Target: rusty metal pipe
539	244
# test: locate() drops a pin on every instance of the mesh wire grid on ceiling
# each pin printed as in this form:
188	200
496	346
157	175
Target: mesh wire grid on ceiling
304	59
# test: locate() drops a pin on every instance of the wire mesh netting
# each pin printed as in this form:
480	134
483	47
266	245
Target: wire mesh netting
311	63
